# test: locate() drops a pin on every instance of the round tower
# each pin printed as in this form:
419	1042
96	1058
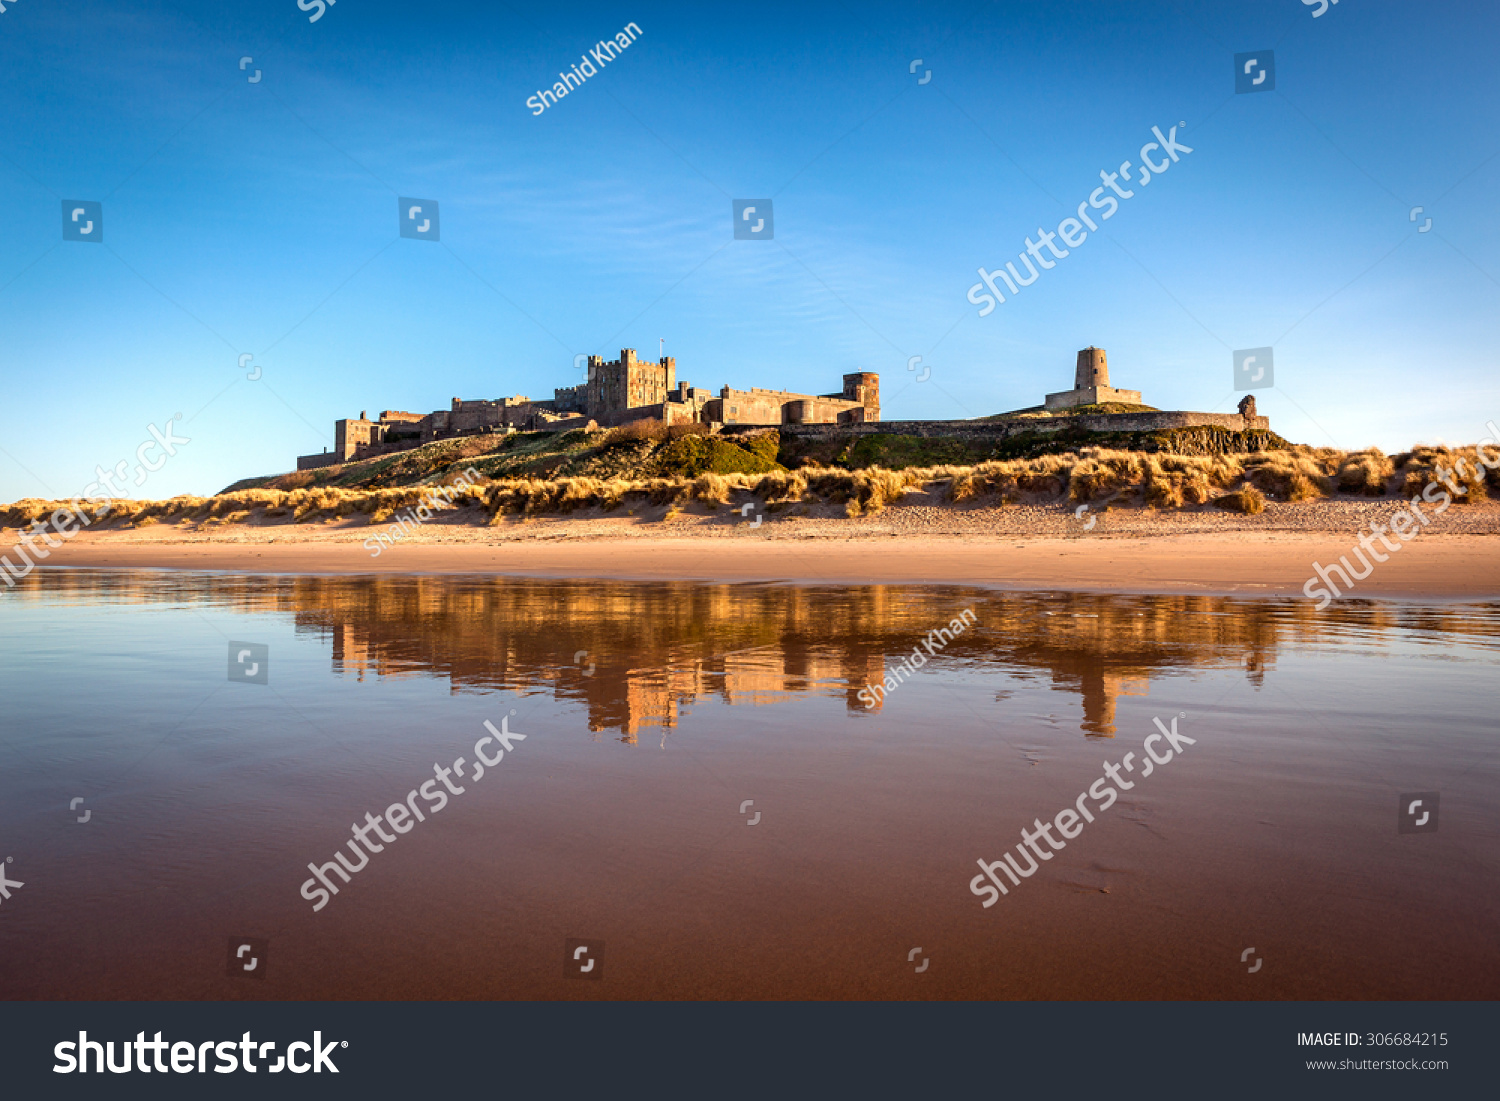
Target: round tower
864	387
1093	371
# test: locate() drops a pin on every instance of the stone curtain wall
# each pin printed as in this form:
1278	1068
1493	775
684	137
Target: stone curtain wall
780	407
312	462
1103	422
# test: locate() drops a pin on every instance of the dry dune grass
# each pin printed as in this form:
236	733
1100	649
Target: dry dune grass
1365	472
1156	480
1246	499
1470	478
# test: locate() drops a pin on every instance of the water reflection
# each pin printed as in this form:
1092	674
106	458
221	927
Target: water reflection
209	799
639	654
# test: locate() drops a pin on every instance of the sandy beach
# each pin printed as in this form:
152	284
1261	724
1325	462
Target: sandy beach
1132	550
662	720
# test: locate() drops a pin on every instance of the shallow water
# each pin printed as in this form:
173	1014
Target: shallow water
661	720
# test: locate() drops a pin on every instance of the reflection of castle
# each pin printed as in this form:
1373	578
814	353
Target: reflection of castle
654	697
1091	677
651	650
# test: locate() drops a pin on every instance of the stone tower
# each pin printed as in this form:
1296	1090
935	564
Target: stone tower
864	387
627	383
1091	384
1093	371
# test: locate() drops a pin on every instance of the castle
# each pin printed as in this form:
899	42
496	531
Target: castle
1091	384
628	389
622	390
1068	411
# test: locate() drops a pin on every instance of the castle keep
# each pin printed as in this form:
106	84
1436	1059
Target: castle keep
616	392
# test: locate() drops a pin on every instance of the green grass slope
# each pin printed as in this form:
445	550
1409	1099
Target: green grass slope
634	451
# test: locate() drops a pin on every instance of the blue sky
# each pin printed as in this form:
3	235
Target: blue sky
262	218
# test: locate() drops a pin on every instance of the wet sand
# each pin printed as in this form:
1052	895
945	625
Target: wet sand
657	716
1223	562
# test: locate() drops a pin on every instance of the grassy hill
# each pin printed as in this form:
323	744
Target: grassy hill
643	450
899	452
650	450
